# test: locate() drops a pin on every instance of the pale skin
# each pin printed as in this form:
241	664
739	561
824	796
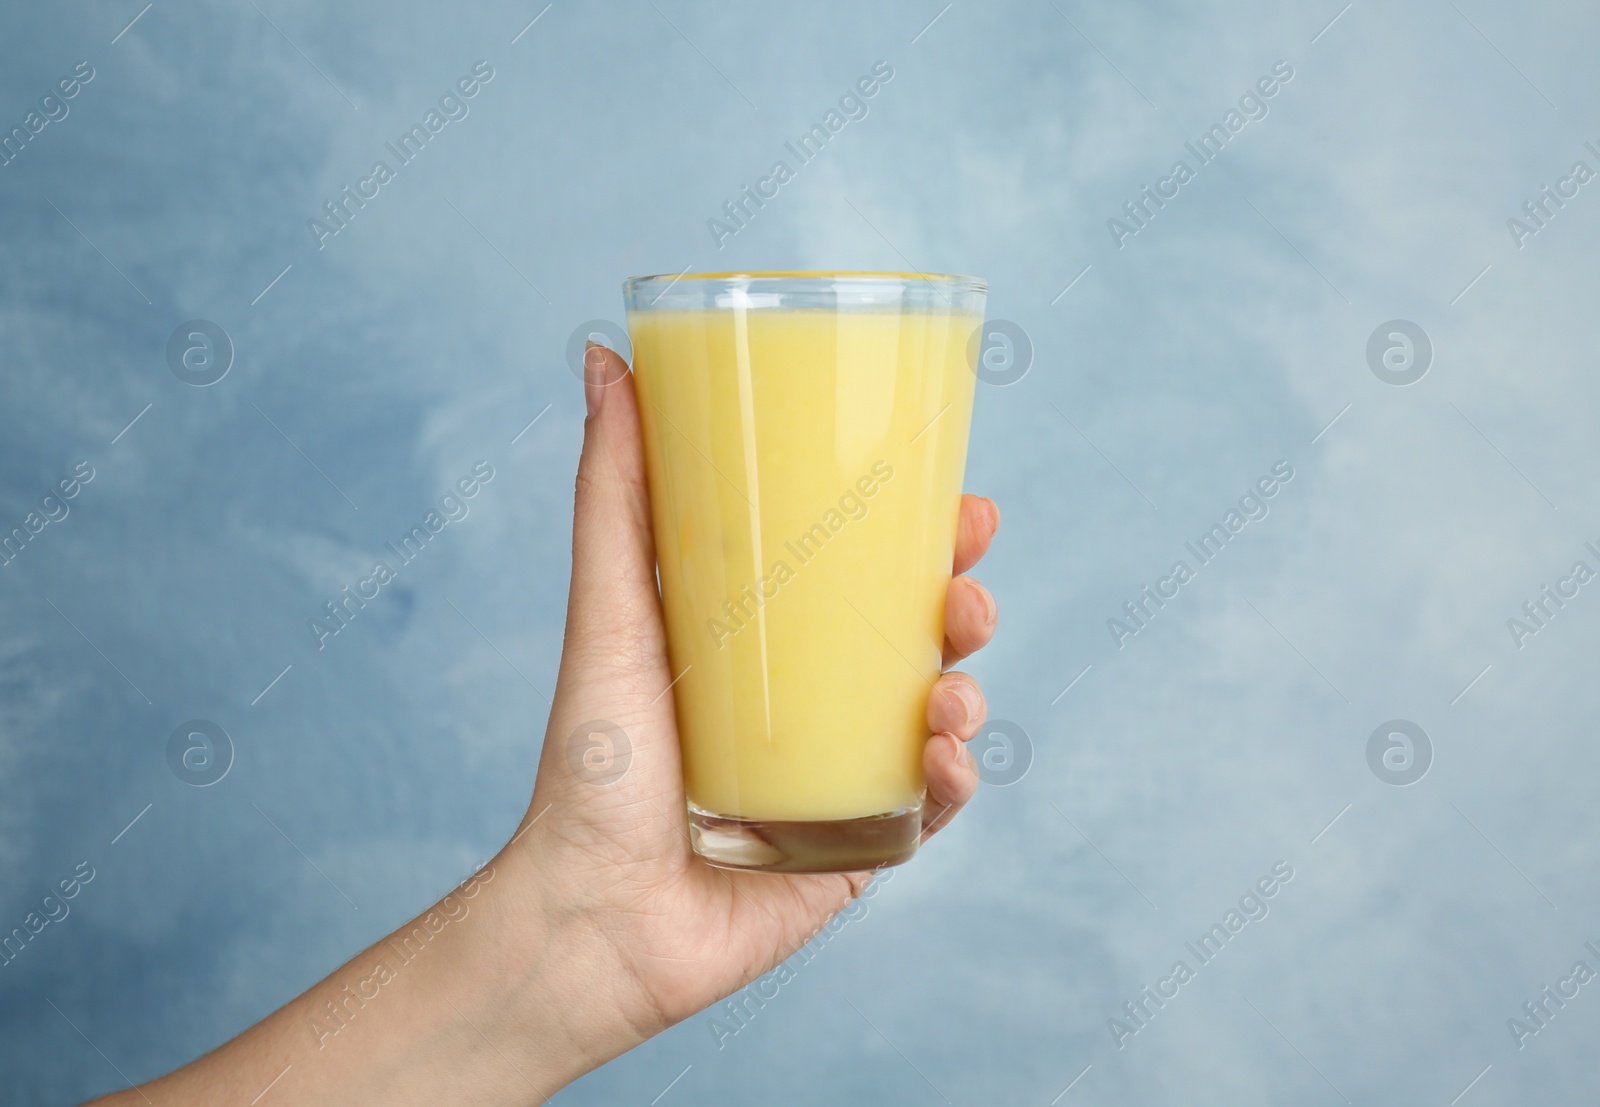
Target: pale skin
595	927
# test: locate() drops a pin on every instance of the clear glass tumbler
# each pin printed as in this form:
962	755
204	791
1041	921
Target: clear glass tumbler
805	438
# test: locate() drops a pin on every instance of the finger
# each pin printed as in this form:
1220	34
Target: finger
613	623
970	616
980	518
952	779
956	706
613	656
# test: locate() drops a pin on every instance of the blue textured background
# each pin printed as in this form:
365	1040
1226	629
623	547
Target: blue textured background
424	337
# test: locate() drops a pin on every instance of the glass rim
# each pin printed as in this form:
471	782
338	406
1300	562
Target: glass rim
860	276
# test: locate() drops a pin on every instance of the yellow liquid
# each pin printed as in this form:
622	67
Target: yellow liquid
805	476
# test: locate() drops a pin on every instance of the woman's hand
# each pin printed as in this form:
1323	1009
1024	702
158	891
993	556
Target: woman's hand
613	859
596	926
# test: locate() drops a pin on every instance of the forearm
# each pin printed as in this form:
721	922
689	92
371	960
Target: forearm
478	1000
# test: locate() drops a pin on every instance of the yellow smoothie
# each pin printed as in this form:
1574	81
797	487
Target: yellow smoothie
805	470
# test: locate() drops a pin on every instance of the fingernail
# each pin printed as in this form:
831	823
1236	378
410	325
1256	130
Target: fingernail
594	377
991	612
966	701
964	755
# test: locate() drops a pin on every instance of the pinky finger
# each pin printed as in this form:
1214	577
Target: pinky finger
952	779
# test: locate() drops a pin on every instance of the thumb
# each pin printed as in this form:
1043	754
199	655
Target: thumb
615	644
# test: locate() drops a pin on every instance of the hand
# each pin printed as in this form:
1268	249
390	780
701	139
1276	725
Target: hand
595	927
680	934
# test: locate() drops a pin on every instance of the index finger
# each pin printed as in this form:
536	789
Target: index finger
980	518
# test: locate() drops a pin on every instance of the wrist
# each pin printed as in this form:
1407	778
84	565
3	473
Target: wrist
569	1001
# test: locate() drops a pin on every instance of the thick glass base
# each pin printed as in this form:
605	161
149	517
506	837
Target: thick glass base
838	846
